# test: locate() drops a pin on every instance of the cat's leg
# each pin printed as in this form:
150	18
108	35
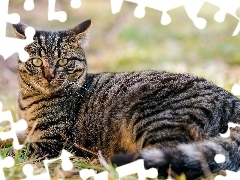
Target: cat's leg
193	159
44	150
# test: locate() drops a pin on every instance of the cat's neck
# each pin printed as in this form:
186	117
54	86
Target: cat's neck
29	95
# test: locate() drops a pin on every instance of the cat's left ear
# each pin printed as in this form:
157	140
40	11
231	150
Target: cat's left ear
19	30
81	32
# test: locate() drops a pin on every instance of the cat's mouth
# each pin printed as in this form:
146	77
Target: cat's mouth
51	86
53	83
54	86
48	84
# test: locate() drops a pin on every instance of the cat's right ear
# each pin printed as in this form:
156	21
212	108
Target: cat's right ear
19	30
81	31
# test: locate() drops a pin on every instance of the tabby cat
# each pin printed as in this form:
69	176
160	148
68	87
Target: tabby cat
161	117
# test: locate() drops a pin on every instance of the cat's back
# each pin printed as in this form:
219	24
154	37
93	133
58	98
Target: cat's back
138	106
153	88
152	83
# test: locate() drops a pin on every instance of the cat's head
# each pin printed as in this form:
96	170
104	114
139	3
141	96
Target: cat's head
57	61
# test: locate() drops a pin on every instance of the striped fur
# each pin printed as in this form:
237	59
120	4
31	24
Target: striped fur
162	117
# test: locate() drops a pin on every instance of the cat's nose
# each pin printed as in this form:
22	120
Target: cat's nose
49	74
49	77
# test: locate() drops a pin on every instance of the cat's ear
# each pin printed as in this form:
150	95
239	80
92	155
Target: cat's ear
81	32
19	30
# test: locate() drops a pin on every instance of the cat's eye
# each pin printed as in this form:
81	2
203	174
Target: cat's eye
37	62
62	62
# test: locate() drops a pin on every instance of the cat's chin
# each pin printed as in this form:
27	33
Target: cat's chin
47	89
51	90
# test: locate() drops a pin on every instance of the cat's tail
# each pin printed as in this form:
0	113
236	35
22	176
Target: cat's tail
195	159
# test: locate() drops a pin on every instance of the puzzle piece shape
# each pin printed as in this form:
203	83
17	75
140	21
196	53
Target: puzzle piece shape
52	14
66	163
20	125
5	17
8	46
225	7
12	45
219	158
192	9
136	167
230	175
28	171
28	5
5	163
75	4
87	173
230	125
236	89
66	166
116	5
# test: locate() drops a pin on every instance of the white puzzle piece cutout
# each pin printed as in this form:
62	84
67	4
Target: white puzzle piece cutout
52	14
5	163
136	167
192	9
9	46
29	5
20	125
75	4
230	125
236	89
66	166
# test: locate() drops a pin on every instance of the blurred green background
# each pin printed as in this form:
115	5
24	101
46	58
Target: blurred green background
122	42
